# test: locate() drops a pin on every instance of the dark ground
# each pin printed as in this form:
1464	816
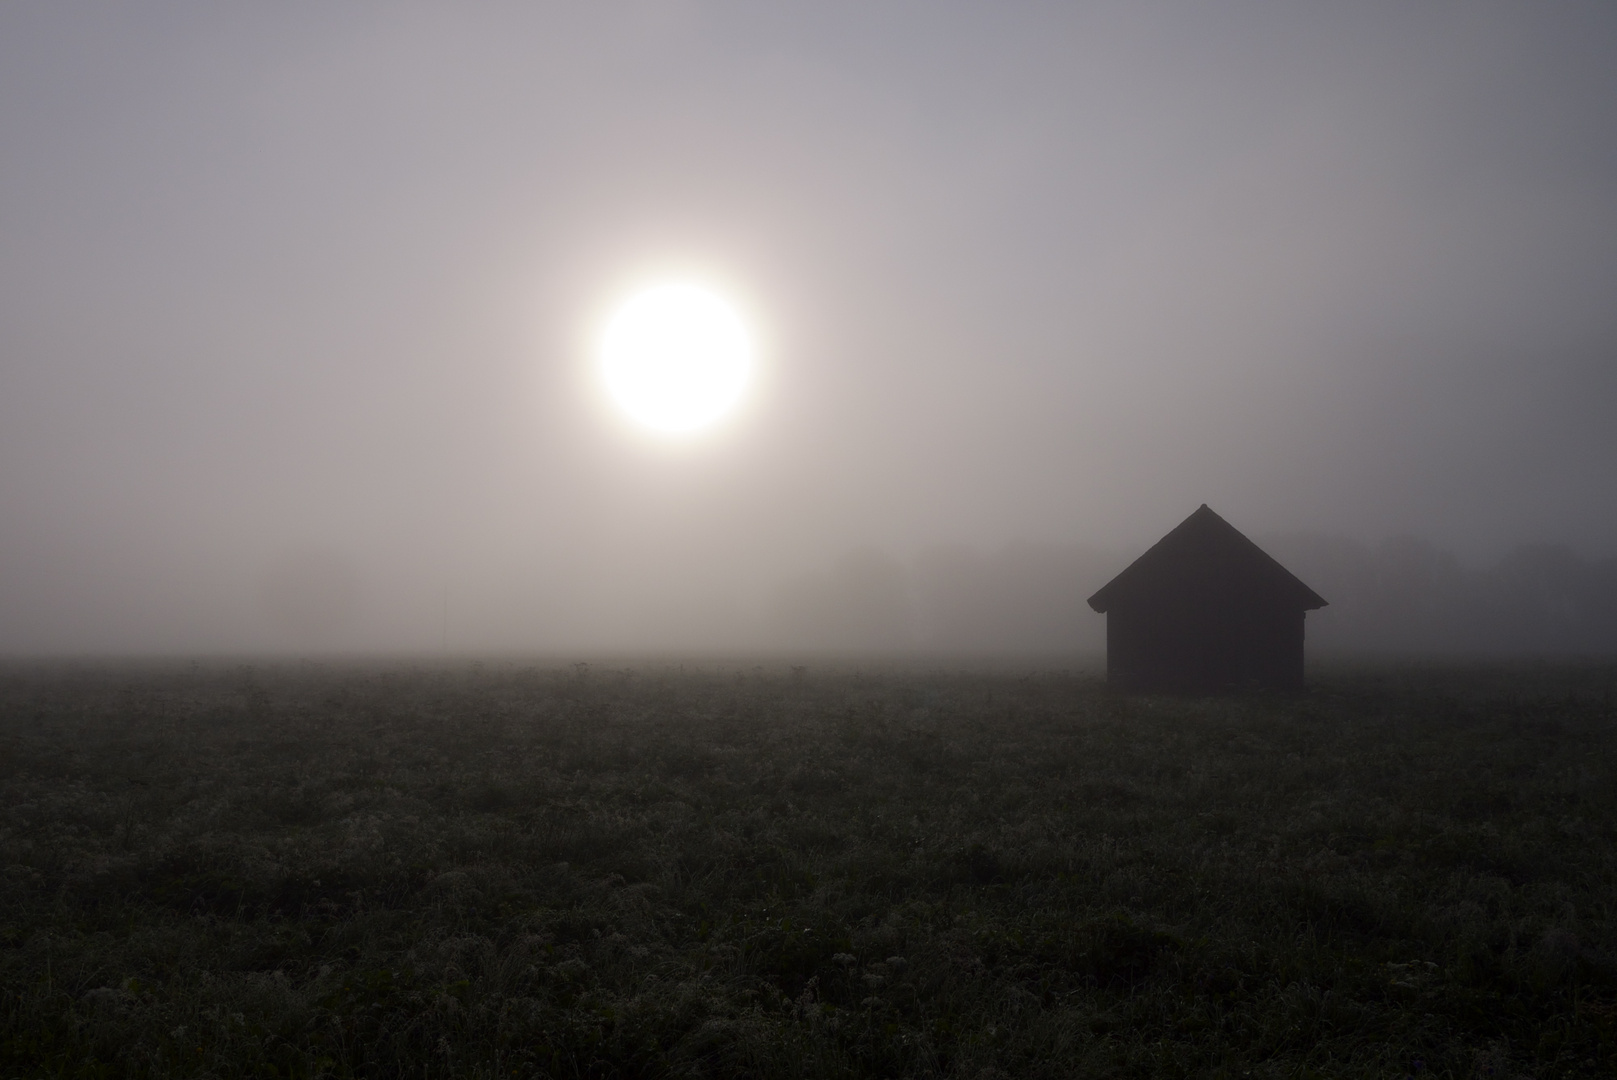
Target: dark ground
507	870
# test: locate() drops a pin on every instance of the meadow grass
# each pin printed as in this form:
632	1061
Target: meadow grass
506	870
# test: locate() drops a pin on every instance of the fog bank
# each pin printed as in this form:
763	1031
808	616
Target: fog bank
297	305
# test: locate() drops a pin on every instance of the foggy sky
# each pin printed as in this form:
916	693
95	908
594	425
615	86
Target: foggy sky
295	302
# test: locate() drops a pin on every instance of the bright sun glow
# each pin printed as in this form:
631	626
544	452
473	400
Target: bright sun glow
676	357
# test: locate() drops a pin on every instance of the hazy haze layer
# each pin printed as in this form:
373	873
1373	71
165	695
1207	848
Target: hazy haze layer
295	304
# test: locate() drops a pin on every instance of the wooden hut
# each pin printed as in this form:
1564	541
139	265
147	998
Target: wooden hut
1205	609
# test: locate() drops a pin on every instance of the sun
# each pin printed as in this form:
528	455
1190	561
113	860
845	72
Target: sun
676	357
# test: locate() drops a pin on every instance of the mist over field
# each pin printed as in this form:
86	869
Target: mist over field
555	539
1400	596
298	303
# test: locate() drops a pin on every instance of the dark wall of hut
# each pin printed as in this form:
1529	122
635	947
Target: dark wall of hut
1175	643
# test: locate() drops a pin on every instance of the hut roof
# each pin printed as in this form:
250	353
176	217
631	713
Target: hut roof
1205	554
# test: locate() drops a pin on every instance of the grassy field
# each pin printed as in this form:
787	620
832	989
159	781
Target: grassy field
503	870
